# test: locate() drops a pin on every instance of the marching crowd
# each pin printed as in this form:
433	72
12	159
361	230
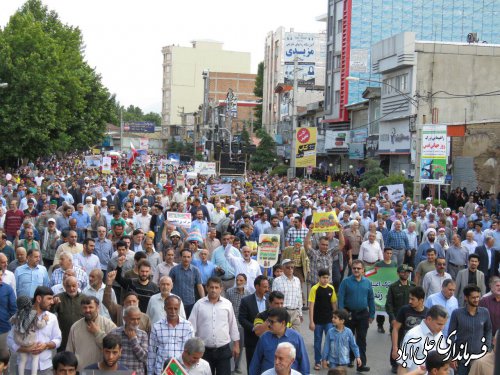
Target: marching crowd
93	275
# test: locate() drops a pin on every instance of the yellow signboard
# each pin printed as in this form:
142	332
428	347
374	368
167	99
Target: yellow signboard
305	147
325	222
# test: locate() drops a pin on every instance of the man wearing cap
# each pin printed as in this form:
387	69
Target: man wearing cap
49	242
397	295
290	286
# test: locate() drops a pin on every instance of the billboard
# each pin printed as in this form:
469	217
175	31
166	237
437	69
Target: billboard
394	137
305	147
205	168
356	151
371	146
337	139
139	127
310	49
434	154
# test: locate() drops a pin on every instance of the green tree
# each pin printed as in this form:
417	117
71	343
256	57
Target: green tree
245	136
135	114
265	153
372	175
259	93
55	101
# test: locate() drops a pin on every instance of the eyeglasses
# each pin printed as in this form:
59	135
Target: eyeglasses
356	268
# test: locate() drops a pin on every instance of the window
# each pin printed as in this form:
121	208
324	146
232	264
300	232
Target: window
337	61
404	82
336	97
339	26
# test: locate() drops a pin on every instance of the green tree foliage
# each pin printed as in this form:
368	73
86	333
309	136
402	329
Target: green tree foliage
135	114
245	136
372	175
265	154
259	93
55	101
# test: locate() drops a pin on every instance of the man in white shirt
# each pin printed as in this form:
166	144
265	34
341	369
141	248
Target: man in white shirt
144	219
430	329
290	286
96	289
433	280
191	360
284	356
214	322
156	305
8	276
87	260
245	265
47	338
217	214
469	242
370	251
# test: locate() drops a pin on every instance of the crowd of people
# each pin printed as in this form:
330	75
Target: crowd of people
94	275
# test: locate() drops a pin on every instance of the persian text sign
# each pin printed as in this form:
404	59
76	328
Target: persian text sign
434	154
180	219
205	168
305	147
325	222
381	279
268	250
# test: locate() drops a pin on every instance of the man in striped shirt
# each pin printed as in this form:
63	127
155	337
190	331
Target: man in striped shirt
168	336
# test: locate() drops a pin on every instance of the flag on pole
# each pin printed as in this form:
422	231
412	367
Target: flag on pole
133	155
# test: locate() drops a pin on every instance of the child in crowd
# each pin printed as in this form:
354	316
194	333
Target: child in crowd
25	324
339	340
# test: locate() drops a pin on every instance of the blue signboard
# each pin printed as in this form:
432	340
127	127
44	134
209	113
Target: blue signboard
139	127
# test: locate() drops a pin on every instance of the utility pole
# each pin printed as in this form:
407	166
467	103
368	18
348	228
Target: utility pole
294	115
121	130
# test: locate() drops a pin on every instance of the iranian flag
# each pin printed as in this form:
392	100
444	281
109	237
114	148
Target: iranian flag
133	155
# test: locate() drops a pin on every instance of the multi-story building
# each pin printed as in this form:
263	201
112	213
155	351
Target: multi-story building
183	82
355	25
242	86
282	50
453	84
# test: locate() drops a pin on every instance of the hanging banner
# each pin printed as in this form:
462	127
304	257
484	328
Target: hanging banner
205	168
180	219
434	153
325	222
218	190
305	147
381	279
268	250
106	165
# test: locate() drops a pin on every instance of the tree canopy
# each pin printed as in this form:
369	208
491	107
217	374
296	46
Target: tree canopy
265	153
54	100
133	113
259	93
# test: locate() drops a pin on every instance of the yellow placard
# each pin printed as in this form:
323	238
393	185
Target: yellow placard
305	147
325	222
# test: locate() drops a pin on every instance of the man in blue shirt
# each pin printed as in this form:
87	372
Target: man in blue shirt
263	358
206	267
8	308
31	275
356	296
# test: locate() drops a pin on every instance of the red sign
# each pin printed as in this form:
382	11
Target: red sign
303	135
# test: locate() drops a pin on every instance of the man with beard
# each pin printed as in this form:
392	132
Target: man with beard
472	325
111	354
408	316
86	335
275	229
173	327
143	286
428	242
156	304
48	338
67	307
468	276
134	341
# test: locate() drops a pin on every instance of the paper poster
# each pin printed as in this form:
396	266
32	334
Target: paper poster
205	168
93	161
434	154
268	250
218	190
181	219
106	165
180	181
395	192
381	279
325	222
174	368
162	179
305	147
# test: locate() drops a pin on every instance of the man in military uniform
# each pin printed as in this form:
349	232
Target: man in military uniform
398	296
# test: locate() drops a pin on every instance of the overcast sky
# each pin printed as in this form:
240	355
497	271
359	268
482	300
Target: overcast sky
124	38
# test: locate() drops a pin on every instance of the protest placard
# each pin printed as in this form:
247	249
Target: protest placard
268	250
180	219
325	222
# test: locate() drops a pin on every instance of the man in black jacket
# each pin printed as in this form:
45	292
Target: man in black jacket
489	259
249	308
